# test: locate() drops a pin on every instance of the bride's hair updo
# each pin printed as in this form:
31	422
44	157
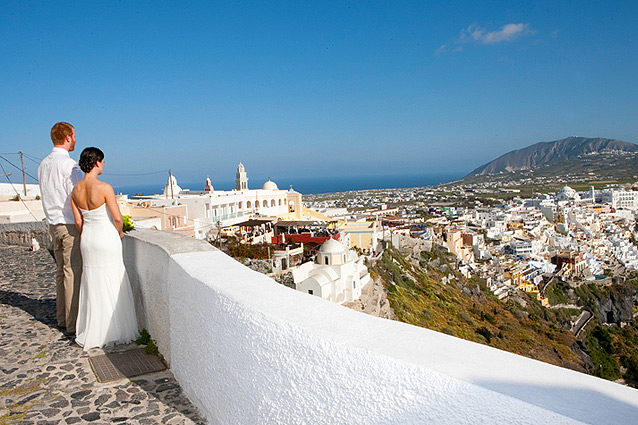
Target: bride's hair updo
89	157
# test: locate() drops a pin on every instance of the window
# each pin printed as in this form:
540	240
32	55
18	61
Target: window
310	291
248	205
272	203
325	260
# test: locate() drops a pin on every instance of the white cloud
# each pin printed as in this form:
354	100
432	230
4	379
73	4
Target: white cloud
475	34
478	35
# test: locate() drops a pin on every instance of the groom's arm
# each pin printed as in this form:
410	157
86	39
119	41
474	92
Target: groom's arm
77	216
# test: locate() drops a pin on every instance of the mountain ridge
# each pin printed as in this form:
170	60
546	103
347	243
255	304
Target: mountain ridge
552	154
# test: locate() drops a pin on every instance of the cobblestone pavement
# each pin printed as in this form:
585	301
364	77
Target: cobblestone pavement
45	378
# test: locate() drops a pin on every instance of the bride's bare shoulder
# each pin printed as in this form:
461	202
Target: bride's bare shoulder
105	187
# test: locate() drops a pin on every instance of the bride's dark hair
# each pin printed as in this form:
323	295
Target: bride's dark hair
89	157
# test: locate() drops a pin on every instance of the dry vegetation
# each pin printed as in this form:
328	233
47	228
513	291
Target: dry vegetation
466	309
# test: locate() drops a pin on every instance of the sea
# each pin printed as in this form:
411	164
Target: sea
306	185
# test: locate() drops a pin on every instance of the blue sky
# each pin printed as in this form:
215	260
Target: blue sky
308	89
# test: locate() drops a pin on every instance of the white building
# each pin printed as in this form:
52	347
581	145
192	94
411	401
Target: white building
337	275
567	194
526	247
211	208
620	198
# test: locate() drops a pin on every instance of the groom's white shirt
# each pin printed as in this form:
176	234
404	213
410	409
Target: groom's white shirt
58	173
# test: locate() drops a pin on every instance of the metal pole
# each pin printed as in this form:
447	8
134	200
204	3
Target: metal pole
24	179
170	182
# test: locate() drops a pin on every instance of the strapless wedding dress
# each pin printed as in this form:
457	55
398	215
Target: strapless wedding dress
107	312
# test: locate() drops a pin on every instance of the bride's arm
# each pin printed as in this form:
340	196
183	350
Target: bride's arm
77	216
111	203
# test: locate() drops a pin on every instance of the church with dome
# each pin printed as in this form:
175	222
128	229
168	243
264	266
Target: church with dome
212	208
567	194
337	275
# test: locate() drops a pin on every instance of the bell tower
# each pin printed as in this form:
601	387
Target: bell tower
241	179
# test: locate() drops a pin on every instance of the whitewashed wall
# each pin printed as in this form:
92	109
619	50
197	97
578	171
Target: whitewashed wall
247	350
10	189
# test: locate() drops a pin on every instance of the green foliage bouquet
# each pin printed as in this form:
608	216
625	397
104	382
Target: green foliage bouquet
128	223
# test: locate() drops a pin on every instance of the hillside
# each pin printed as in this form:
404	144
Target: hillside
576	154
466	309
421	293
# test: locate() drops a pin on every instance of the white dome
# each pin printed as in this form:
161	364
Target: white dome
171	187
567	193
270	185
332	246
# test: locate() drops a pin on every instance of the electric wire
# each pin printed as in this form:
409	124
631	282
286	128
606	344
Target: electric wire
18	168
37	160
136	174
17	193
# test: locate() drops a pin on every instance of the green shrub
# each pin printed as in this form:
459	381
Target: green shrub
488	317
556	293
151	347
631	376
485	333
604	339
600	352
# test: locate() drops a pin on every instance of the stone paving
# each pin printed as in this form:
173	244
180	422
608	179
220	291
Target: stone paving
45	378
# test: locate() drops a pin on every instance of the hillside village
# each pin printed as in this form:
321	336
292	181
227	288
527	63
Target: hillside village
519	244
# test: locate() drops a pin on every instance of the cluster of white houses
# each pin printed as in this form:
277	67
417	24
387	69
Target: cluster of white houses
520	244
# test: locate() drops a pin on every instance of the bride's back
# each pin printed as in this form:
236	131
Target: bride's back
89	194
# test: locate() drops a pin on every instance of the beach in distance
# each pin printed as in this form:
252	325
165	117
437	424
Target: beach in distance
304	185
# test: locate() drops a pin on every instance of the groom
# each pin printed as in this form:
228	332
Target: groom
58	174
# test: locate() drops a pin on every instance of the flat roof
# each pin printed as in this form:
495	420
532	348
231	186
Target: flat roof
290	223
253	222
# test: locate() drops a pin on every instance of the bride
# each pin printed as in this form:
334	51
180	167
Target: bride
106	313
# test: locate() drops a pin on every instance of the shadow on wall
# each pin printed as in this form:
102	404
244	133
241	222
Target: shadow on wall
576	403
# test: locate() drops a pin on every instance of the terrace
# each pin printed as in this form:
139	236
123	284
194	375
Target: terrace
244	349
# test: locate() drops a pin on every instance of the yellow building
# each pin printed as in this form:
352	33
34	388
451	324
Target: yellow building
362	234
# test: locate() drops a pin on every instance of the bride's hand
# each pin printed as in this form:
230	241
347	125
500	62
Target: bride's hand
121	234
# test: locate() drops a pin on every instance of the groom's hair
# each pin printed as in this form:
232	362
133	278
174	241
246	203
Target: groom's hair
89	157
60	131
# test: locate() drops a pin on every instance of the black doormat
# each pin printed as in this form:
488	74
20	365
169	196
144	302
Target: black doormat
114	366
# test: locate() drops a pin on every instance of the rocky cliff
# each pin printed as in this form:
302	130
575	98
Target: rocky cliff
617	306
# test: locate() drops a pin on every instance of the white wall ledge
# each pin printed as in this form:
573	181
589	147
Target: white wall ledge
248	350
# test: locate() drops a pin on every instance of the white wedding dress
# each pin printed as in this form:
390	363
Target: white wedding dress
107	312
